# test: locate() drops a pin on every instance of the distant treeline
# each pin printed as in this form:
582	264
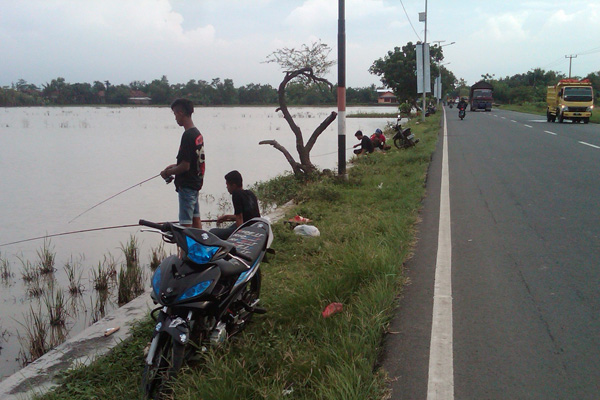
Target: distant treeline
531	87
161	92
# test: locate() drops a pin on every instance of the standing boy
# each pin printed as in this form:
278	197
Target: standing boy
189	170
245	205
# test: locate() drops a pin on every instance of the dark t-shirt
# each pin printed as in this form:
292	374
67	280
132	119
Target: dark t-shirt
366	144
191	150
245	203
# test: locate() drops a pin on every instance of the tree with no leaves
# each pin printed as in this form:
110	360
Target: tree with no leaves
307	64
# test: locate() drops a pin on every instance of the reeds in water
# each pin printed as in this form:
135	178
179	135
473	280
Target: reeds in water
105	273
5	270
55	303
131	275
34	343
46	258
28	271
157	255
73	272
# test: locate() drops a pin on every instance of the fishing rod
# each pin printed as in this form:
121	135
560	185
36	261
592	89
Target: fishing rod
84	231
115	195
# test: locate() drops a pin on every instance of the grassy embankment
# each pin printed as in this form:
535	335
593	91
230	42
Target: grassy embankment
367	227
540	109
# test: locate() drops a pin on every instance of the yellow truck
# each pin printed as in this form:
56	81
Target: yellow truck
570	99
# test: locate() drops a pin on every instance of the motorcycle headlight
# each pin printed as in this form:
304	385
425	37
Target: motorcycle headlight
564	108
195	290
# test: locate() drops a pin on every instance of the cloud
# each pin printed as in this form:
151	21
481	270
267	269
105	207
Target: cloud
505	28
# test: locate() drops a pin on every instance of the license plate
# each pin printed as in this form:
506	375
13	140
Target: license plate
410	137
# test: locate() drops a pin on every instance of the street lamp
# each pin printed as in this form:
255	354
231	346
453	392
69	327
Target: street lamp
439	66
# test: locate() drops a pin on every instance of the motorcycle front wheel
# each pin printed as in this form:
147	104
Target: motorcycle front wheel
166	362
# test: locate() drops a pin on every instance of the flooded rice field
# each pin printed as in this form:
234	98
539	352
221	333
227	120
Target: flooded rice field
57	162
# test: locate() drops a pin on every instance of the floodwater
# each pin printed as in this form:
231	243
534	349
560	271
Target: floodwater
55	163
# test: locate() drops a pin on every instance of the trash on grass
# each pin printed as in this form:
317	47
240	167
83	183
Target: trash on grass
307	230
331	309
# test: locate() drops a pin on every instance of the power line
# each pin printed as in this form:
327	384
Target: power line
592	51
409	21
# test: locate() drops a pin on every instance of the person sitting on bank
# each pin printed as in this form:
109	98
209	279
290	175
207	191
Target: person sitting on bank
378	140
366	146
245	205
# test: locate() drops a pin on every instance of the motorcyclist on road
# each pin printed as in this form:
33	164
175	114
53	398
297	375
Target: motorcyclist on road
462	103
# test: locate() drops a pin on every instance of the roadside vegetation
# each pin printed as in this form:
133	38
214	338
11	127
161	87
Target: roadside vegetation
540	109
367	230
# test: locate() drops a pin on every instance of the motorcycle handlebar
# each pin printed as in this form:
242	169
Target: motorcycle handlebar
160	227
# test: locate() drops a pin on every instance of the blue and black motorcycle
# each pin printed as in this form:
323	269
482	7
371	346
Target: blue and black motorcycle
205	295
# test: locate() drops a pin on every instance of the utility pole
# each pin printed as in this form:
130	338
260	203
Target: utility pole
571	57
424	69
341	90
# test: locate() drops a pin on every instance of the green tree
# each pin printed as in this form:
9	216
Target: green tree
82	93
366	95
398	70
118	94
57	91
257	94
160	91
595	79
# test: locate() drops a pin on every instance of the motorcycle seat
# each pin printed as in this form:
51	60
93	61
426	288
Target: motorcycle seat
250	240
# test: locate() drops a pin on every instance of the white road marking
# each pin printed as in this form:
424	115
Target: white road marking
552	133
529	126
591	145
441	364
512	120
503	117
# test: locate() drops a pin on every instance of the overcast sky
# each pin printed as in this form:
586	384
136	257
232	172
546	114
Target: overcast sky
126	40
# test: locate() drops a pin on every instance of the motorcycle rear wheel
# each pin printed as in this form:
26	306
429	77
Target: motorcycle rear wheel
167	361
250	294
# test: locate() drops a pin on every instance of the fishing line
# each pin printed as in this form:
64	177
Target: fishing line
69	233
333	152
84	231
113	196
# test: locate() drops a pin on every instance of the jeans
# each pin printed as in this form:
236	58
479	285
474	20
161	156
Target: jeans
188	205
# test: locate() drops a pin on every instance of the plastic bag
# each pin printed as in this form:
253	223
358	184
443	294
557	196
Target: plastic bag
307	230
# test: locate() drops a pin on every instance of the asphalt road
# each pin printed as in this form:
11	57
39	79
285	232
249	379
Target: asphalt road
525	263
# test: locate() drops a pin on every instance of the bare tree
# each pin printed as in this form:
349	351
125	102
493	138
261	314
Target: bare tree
308	64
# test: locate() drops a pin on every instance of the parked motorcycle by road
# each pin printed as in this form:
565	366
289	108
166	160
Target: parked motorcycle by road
204	297
403	138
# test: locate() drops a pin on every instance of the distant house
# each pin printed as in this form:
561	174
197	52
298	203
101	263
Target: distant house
138	97
386	96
